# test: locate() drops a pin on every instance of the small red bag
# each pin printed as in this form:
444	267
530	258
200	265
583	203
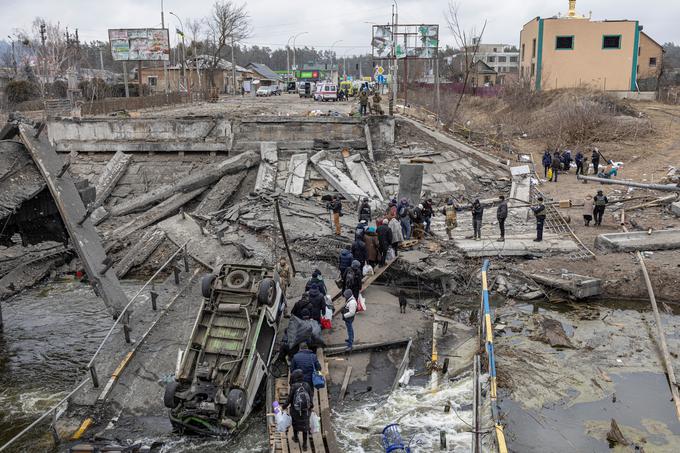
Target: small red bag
326	324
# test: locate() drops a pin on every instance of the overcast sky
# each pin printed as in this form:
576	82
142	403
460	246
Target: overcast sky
325	22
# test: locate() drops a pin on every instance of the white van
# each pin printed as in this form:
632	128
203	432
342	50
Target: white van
326	91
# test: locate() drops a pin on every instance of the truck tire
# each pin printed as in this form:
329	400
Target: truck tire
206	285
236	403
169	399
237	279
266	293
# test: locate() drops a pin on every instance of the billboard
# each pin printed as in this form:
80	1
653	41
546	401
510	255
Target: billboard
140	44
408	41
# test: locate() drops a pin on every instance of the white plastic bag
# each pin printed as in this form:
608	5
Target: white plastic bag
390	254
314	423
283	421
361	303
328	313
368	269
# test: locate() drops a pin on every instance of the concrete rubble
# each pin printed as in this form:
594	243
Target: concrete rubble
297	171
639	241
336	178
266	173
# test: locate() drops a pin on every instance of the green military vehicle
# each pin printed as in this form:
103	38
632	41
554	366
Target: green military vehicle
229	351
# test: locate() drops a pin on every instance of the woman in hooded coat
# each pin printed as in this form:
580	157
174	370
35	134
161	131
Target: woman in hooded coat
372	246
299	416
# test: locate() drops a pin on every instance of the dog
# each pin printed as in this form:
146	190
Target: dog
402	301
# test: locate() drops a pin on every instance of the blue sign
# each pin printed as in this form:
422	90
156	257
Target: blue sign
381	79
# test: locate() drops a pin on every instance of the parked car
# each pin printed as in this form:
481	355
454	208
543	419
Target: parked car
291	87
229	351
306	89
263	91
275	90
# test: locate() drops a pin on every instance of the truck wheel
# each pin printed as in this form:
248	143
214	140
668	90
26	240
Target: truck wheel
169	399
237	279
236	403
266	294
206	285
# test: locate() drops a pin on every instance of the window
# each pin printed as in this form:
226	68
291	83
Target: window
564	42
513	59
533	69
495	49
152	81
523	52
491	59
611	41
502	59
652	62
487	79
533	49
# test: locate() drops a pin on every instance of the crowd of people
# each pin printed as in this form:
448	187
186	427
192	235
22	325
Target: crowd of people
558	162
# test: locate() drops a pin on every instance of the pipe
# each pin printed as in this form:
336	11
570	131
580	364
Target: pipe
665	187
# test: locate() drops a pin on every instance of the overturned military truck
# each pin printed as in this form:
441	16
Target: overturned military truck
229	351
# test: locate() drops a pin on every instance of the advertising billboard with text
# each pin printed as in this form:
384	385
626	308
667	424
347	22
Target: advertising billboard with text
140	44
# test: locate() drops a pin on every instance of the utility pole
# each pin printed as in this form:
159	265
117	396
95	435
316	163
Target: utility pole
165	63
233	66
101	59
395	62
43	39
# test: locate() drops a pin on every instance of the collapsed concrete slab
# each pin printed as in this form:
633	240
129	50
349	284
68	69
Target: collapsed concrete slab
220	194
520	192
517	246
411	182
269	163
675	208
340	181
201	178
114	170
141	252
639	241
577	286
360	174
297	169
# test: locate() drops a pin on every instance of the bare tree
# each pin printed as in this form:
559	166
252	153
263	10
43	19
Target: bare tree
468	42
228	23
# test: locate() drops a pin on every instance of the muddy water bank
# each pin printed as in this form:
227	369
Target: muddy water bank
562	399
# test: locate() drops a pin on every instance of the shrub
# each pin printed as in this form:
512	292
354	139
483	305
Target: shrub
22	91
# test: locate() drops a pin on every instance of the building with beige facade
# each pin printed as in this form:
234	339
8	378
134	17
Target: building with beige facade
575	51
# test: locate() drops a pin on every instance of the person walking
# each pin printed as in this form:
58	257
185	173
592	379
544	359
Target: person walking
397	234
301	405
359	251
317	279
587	210
365	211
360	230
428	213
555	165
372	246
404	212
336	207
477	213
595	159
501	215
284	273
363	102
600	201
449	212
348	312
547	161
317	303
391	211
539	212
345	259
384	239
305	360
579	163
353	278
417	217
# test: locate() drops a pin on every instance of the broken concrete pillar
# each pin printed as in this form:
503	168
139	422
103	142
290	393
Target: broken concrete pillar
114	170
369	142
141	252
340	181
411	182
297	169
266	173
361	175
200	178
220	193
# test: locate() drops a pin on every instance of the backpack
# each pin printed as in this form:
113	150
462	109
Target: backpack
402	211
301	400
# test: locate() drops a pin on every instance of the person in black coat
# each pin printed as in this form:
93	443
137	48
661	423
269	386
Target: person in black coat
306	361
555	165
317	279
477	214
359	251
317	303
365	211
299	415
547	162
501	215
301	305
345	260
384	240
353	279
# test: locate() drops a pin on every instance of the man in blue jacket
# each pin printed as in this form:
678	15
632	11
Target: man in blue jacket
306	361
346	259
547	161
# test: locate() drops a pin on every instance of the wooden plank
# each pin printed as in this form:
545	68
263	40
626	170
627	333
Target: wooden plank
402	365
141	252
84	237
114	170
327	432
368	280
359	347
345	382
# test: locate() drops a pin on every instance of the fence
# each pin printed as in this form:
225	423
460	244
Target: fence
123	318
457	88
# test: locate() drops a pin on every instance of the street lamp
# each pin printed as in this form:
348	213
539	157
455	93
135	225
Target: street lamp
288	56
333	57
184	58
294	38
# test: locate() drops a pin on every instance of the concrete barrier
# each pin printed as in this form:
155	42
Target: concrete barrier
639	241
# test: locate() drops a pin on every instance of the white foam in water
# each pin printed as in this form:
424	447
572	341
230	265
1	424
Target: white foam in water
418	410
